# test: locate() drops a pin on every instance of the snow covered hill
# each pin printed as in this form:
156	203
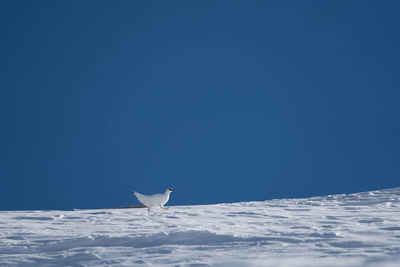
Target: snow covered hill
360	229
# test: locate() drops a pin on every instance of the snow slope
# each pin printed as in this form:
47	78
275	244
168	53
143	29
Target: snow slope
360	229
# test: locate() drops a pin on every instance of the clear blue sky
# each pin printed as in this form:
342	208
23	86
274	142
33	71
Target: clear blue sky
223	100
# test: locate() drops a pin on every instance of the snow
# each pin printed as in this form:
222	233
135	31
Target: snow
360	229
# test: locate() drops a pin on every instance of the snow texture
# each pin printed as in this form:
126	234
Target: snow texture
360	229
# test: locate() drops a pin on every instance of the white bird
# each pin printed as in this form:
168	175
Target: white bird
156	200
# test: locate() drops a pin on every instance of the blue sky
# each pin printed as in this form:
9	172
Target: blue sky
223	100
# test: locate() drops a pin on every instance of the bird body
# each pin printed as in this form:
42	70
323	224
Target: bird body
156	200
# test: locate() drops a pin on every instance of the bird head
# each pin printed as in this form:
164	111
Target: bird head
169	190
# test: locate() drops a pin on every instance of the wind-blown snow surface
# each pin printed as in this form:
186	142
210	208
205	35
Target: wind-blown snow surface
340	230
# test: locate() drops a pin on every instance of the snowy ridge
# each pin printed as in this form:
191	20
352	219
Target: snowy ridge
360	229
